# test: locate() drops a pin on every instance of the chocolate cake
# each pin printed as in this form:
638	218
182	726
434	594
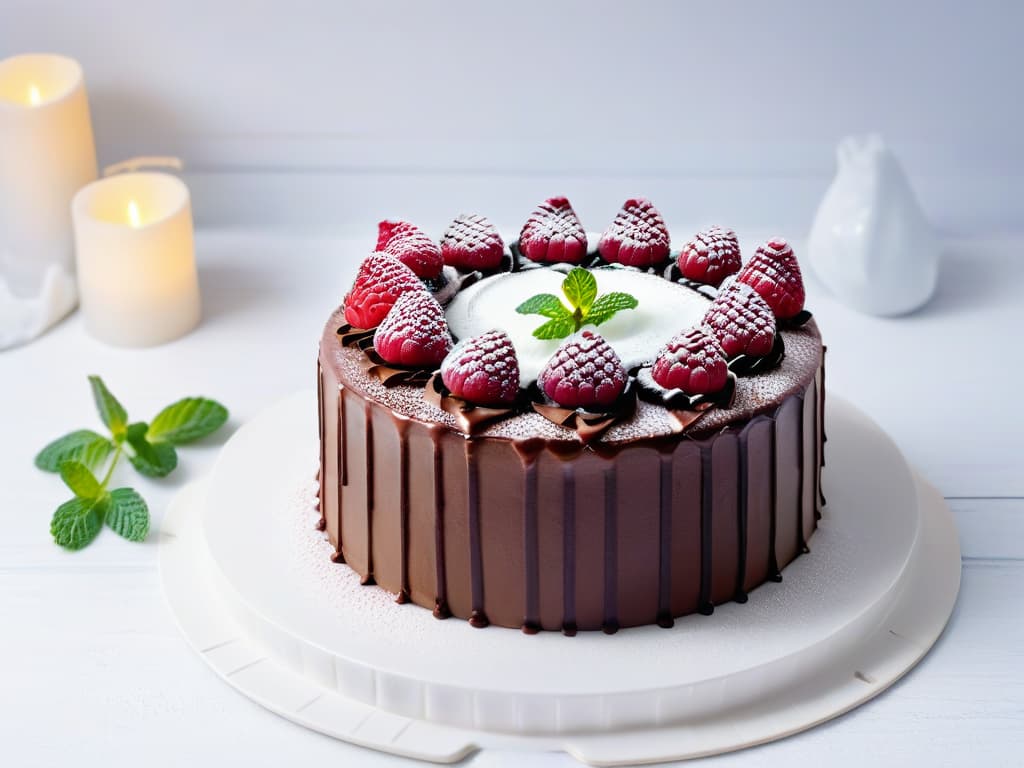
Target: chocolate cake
647	447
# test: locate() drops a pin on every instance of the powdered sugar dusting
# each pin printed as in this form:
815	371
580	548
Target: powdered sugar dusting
754	394
334	587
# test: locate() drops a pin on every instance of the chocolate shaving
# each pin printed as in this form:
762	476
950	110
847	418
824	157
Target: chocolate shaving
393	375
469	417
751	365
685	409
799	320
355	337
587	425
674	275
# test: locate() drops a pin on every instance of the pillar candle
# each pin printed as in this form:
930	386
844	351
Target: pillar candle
46	155
136	259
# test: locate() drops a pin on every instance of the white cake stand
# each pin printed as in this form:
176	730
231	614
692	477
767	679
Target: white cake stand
252	587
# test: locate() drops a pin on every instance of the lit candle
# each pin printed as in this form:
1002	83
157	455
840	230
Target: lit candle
136	259
46	155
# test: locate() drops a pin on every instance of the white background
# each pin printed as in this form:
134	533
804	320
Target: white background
318	118
323	113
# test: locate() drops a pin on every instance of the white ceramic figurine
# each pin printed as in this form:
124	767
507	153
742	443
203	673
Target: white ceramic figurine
871	244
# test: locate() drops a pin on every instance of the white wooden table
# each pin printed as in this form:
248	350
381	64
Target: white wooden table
93	671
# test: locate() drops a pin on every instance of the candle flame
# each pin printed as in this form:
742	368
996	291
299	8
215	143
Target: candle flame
133	214
33	95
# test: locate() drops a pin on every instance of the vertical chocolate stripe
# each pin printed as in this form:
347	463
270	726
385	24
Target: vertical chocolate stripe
322	474
342	439
742	479
707	496
403	505
610	625
773	561
531	555
819	434
801	542
665	542
441	610
477	617
568	550
368	446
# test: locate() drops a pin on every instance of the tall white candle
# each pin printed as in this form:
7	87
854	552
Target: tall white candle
46	155
136	259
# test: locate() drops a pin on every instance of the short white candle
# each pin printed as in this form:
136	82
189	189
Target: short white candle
136	259
46	155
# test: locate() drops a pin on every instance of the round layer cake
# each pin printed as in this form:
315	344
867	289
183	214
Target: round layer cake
545	515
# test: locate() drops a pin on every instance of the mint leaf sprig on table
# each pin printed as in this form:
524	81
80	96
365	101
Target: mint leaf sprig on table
585	306
151	449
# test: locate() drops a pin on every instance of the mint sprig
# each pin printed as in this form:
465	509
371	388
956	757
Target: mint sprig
150	448
585	306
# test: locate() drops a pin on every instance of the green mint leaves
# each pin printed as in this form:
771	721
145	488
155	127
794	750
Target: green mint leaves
586	307
151	449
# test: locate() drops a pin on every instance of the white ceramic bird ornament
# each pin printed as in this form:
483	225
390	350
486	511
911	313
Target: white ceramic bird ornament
871	244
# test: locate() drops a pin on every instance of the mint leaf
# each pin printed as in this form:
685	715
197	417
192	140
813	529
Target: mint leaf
580	288
187	420
608	305
111	411
84	446
79	479
76	522
556	329
128	514
546	304
151	459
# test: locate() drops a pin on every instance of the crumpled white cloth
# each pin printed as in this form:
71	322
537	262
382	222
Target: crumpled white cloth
24	318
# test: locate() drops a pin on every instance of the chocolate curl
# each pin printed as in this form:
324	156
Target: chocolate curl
375	365
799	320
685	410
750	365
587	425
355	337
469	417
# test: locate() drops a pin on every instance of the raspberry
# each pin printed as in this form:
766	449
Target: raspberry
711	256
483	369
471	242
379	283
775	274
584	373
553	233
637	237
692	361
414	333
741	321
411	246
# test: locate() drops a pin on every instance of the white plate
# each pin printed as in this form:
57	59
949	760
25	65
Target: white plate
253	589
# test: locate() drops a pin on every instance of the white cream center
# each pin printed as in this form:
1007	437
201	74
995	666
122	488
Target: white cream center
635	334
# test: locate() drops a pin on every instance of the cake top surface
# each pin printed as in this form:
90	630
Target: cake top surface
754	394
562	335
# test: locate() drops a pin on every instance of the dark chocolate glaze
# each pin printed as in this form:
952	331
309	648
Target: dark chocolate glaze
741	512
320	504
552	534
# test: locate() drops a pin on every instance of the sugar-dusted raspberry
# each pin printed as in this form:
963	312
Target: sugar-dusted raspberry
711	256
637	237
472	242
775	274
411	246
414	333
693	361
584	373
483	369
380	281
741	321
553	233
